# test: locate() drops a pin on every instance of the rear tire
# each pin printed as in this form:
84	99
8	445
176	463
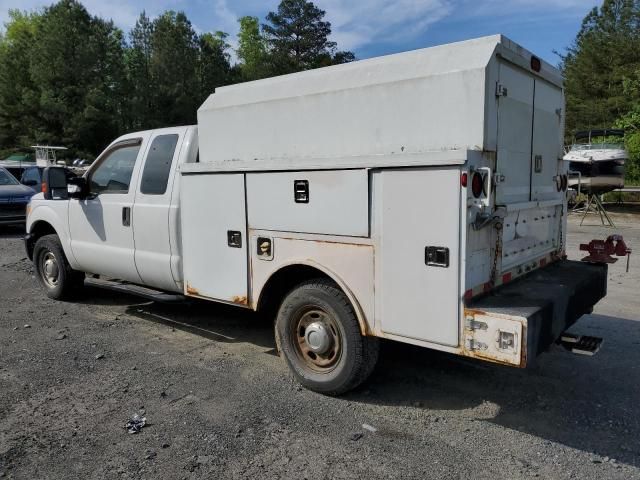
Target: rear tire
54	273
319	337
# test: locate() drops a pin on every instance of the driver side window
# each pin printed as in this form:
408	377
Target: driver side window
113	175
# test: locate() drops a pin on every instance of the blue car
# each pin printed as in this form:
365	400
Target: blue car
14	198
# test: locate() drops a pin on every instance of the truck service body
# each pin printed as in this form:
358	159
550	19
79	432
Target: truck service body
419	197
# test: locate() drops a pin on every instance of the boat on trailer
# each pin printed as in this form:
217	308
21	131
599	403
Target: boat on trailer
596	161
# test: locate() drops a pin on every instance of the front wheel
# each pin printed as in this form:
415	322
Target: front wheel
318	334
53	270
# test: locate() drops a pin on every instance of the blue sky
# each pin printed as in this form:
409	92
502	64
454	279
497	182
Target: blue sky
376	27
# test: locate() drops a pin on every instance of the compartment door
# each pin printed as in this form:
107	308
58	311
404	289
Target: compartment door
547	142
214	236
515	93
417	215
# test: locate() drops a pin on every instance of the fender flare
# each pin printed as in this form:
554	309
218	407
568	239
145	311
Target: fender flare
365	329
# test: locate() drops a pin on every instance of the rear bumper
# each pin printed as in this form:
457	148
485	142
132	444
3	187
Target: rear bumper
534	310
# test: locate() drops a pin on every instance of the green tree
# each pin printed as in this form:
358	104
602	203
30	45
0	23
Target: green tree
173	70
214	67
139	80
601	76
18	93
298	38
76	63
605	52
252	50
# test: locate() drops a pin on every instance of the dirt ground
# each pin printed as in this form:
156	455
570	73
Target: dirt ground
220	404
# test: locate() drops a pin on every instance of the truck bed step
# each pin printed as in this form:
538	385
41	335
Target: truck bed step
581	344
144	292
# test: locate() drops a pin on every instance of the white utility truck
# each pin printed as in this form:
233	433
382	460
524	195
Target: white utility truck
418	197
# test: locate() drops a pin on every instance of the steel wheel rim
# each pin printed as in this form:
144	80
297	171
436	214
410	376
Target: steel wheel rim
50	270
311	353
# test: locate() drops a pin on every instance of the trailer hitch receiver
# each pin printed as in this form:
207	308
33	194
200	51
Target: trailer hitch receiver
602	251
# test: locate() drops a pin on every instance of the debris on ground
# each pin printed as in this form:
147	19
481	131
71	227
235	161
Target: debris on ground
136	423
371	428
26	325
356	436
61	337
99	356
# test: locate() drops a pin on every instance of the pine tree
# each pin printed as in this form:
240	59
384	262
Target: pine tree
298	38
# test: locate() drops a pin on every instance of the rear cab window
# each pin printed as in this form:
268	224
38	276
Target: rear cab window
157	167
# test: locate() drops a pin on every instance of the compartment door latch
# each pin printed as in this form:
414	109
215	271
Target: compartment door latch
436	256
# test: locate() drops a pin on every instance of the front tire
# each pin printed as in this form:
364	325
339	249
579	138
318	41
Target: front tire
55	274
319	336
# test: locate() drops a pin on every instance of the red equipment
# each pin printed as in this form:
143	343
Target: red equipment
601	251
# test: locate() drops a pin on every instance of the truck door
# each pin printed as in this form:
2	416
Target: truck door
100	226
528	147
529	137
214	236
153	201
547	142
515	93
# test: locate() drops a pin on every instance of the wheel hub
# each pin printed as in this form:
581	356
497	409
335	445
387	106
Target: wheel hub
50	270
318	341
318	338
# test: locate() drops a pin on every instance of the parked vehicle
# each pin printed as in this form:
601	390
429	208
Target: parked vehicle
418	197
14	198
596	161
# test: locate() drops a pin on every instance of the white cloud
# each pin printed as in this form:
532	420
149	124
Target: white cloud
356	24
547	8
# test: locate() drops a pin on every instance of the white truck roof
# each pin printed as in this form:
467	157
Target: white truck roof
424	107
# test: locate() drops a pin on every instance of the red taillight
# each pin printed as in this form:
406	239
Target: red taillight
44	187
536	64
477	182
463	179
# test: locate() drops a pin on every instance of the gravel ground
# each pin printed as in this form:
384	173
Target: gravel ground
220	404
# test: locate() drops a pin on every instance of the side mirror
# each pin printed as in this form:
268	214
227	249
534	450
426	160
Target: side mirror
77	187
54	183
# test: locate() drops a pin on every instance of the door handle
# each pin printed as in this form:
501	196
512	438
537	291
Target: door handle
126	216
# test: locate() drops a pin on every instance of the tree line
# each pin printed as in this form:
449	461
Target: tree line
70	78
602	76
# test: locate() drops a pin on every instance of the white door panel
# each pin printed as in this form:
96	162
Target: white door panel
213	208
515	117
417	300
151	211
101	240
547	142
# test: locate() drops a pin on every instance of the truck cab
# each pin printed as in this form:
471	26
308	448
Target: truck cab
124	220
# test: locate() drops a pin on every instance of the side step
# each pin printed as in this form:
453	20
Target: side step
580	344
131	289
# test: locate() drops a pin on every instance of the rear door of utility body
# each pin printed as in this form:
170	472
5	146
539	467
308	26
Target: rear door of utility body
528	161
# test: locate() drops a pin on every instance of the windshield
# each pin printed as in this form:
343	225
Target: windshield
6	178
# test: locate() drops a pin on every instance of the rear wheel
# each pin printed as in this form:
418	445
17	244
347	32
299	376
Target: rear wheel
53	270
319	337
